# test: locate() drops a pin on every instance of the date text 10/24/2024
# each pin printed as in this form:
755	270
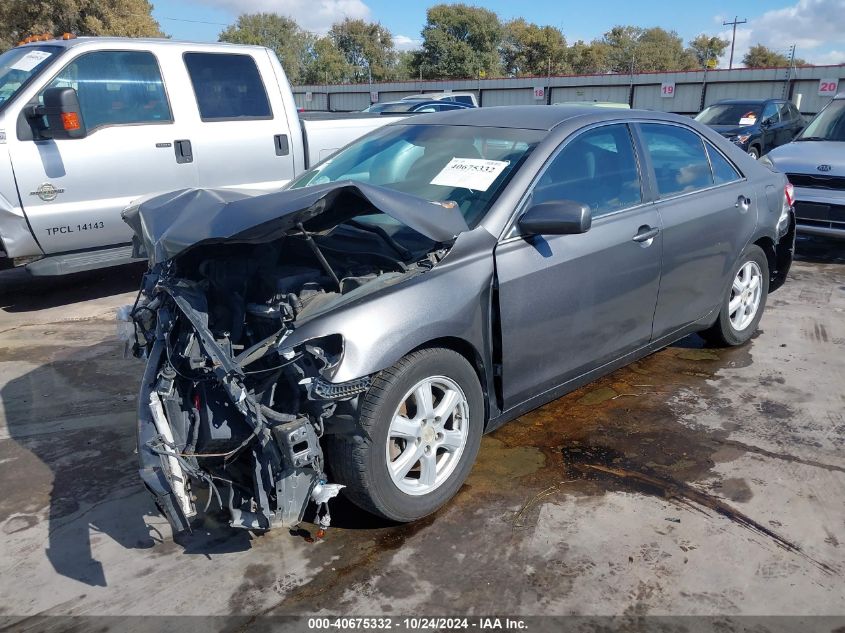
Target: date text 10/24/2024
417	623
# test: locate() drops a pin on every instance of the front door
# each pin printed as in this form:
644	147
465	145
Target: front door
73	190
572	303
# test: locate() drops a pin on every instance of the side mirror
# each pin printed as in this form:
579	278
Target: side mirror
556	217
63	113
766	123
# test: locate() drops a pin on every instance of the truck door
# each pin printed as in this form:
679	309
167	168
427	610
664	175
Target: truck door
73	190
242	137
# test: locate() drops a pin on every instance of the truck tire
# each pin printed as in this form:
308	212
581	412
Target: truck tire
421	424
744	301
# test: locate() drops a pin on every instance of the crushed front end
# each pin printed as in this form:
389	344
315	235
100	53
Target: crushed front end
230	412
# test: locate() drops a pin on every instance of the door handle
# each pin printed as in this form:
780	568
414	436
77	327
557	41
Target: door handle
184	153
282	145
646	234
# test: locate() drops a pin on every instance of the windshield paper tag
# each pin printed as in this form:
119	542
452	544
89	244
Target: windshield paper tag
470	173
30	60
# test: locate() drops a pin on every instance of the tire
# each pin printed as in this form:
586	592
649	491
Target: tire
738	326
370	466
754	152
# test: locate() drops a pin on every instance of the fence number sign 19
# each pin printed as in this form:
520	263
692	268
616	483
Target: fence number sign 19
667	89
828	87
374	96
539	92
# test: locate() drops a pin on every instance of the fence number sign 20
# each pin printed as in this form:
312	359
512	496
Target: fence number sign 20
828	87
667	90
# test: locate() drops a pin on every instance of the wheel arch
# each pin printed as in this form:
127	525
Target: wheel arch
473	357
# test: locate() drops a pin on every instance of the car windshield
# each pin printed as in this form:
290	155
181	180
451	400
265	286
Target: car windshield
391	107
19	65
730	114
465	165
829	124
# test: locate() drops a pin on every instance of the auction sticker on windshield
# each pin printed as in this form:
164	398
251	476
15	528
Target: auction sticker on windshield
30	60
470	173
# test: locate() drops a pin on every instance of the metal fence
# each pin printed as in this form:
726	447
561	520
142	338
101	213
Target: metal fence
809	87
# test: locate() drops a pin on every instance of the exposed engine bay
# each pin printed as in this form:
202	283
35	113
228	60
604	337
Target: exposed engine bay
225	404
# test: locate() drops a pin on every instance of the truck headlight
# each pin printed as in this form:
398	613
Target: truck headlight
740	139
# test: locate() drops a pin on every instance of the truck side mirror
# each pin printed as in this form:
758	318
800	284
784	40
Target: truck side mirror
63	113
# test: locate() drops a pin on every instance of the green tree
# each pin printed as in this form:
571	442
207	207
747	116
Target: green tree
529	49
405	66
326	64
707	49
760	56
281	34
588	59
128	18
366	46
460	41
646	50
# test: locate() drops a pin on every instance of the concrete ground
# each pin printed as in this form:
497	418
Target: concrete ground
696	481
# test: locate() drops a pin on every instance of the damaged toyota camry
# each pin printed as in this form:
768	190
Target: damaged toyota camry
360	330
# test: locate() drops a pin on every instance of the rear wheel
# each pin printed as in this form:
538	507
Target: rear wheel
744	302
422	421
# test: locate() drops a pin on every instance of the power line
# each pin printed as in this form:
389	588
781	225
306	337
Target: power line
192	21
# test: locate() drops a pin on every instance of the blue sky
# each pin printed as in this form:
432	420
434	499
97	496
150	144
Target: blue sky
817	27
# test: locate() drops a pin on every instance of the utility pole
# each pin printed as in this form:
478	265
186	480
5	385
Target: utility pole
733	37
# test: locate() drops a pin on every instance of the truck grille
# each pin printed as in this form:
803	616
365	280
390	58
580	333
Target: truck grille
817	182
829	216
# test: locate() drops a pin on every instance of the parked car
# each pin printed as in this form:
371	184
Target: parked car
595	104
431	281
89	124
415	107
467	98
755	125
815	164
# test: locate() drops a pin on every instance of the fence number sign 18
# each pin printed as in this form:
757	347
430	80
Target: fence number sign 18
539	92
828	87
667	89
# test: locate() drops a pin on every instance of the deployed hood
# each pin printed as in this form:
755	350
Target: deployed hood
733	130
171	223
804	157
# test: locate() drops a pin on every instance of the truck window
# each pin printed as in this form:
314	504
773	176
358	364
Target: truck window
116	88
227	86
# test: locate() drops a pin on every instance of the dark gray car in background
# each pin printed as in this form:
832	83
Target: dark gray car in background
428	283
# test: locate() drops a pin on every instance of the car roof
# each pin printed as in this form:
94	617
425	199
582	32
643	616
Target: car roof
741	101
143	41
537	117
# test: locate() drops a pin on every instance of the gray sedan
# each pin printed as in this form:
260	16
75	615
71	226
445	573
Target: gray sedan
360	330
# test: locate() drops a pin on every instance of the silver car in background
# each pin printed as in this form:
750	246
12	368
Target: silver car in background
430	282
815	165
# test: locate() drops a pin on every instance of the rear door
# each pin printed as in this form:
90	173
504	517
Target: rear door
241	137
571	303
73	190
708	212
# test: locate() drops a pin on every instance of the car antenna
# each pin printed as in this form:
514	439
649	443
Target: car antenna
318	254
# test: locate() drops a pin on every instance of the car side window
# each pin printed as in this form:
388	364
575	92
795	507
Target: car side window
679	160
116	88
597	168
723	171
785	112
464	99
227	86
770	113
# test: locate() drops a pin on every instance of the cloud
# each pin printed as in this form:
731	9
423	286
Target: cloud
809	24
312	15
405	43
830	57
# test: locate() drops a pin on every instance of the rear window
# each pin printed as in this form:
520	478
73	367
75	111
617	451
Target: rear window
227	86
464	99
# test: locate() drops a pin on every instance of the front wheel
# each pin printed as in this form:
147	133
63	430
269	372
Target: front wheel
422	422
744	302
754	152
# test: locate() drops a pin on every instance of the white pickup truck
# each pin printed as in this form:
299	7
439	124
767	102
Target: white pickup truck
87	125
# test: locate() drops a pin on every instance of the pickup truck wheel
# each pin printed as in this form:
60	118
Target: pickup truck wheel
744	302
754	152
422	421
